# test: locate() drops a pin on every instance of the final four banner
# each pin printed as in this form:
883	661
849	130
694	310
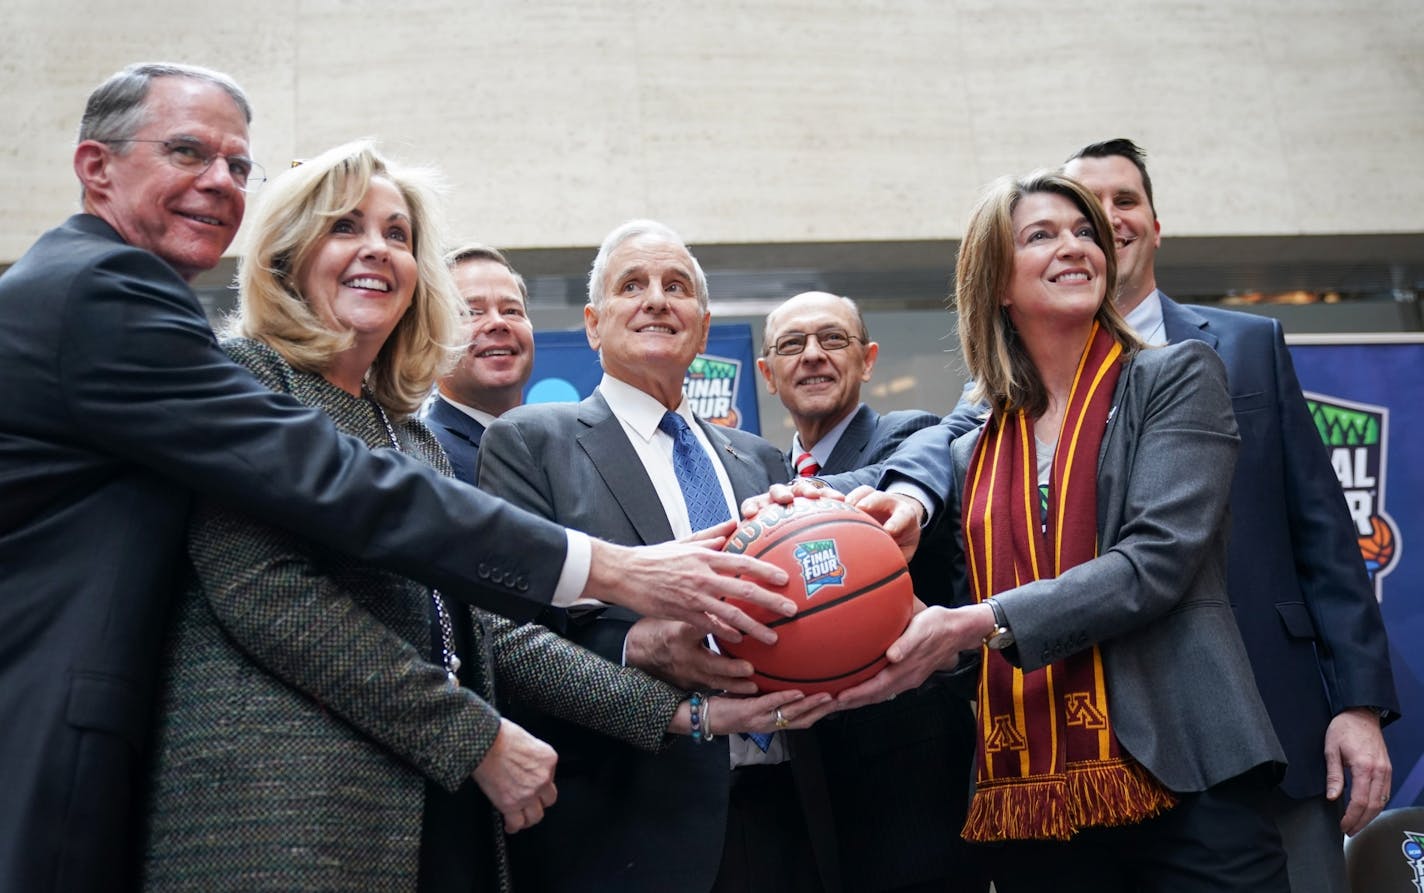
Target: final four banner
720	385
1366	393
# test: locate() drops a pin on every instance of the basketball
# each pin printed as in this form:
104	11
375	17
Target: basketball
851	587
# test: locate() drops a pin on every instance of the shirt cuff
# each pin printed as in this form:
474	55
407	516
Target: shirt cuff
578	560
920	494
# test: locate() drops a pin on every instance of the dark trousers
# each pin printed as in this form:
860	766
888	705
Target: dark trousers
1221	839
767	848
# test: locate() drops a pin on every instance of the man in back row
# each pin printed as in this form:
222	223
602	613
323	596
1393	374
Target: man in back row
1307	613
120	406
894	837
498	357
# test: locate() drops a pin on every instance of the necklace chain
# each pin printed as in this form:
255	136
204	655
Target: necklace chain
442	614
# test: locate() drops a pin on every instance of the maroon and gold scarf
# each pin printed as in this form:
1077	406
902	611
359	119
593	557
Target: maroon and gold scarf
1048	762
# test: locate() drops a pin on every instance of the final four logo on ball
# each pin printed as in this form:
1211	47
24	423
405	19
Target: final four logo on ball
820	565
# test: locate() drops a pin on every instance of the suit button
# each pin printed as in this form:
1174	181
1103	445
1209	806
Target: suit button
483	571
522	584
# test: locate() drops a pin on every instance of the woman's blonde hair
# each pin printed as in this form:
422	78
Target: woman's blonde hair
1005	378
295	211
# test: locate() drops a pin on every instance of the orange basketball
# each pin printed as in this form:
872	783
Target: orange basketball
851	588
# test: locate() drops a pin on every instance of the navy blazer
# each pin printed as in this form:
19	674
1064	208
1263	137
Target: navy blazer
626	820
119	406
459	435
1302	598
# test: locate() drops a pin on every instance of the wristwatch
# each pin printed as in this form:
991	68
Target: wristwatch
1001	637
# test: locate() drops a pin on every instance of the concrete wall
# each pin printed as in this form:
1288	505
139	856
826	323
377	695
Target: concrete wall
775	120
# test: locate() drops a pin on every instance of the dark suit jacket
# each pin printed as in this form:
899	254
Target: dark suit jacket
899	772
1299	587
1179	682
625	820
459	436
119	406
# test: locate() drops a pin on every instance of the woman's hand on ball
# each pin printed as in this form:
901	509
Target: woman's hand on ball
733	714
931	642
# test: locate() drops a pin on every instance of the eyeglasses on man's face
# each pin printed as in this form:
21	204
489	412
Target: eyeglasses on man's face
793	343
192	157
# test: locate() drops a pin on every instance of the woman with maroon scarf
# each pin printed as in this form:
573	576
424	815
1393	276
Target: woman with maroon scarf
1123	745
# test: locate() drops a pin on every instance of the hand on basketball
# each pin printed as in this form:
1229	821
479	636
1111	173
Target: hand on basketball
691	583
517	775
677	653
899	514
931	642
783	494
772	712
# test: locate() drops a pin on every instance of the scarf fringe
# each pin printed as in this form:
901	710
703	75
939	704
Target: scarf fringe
1115	793
1091	795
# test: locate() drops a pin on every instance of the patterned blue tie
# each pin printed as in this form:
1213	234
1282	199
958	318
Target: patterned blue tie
702	494
701	491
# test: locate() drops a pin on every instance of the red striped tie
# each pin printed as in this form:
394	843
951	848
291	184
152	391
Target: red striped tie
806	465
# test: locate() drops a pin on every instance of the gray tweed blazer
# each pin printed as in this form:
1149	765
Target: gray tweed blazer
302	708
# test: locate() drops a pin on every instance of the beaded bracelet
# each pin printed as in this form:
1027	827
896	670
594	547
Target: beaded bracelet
694	704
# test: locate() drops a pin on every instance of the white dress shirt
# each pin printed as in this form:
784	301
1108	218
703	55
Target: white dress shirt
639	414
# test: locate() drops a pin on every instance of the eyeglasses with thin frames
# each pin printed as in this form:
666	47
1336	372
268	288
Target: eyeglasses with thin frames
793	343
192	157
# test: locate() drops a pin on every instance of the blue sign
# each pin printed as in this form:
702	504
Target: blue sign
720	384
1367	396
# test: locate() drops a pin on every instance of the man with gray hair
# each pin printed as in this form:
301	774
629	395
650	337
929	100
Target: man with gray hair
632	464
498	357
120	407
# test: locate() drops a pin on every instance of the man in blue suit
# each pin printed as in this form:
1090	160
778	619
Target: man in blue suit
1306	610
497	361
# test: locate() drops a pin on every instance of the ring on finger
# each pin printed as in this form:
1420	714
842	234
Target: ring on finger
781	721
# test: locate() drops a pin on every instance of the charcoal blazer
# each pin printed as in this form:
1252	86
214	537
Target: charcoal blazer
1303	601
625	820
119	406
459	435
1179	682
899	771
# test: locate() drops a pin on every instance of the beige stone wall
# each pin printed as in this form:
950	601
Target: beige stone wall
774	120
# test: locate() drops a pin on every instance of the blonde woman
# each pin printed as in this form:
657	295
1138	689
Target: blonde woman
324	724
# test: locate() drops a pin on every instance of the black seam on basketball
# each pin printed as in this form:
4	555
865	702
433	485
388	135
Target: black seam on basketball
801	531
793	679
823	606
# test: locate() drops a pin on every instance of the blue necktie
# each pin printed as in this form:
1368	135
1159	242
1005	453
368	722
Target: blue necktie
702	494
701	491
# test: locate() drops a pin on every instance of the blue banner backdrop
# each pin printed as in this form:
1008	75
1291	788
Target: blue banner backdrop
721	384
1367	395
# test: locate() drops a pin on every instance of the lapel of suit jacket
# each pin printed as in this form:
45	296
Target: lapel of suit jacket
1179	323
851	446
455	421
606	444
747	476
